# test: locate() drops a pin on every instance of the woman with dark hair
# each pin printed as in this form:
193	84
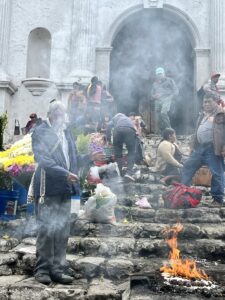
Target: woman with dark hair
168	154
94	96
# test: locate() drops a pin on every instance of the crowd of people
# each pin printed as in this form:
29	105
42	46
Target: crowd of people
58	162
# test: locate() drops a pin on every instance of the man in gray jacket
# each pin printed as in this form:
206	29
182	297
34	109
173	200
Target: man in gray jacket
163	92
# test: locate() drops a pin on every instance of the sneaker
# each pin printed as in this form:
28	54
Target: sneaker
62	278
129	177
43	278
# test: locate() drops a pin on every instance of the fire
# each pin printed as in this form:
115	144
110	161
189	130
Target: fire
178	267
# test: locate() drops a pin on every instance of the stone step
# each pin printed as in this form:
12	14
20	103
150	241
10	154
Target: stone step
138	230
169	216
116	268
19	287
129	247
100	287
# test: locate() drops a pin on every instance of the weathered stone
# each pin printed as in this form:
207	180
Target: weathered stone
4	294
74	244
89	245
29	261
8	258
213	231
147	230
30	289
190	231
7	244
25	249
29	241
82	228
146	247
89	266
103	289
10	280
143	215
118	268
222	212
5	270
168	215
202	215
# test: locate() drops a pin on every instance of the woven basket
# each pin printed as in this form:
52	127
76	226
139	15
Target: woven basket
202	177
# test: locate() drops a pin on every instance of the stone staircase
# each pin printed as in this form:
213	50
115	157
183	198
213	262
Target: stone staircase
103	256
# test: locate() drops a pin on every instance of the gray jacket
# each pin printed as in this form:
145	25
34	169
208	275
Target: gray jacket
164	88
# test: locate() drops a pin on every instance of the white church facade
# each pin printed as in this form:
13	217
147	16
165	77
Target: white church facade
46	45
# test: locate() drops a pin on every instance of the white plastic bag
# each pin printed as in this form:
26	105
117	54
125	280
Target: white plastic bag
100	207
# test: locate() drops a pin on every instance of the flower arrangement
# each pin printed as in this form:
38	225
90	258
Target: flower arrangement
97	143
18	160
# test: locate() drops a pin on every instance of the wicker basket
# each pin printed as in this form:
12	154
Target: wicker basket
202	177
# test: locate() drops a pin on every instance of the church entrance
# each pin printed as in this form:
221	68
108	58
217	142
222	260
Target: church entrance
151	39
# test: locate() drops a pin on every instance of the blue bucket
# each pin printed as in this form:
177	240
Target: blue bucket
22	193
6	196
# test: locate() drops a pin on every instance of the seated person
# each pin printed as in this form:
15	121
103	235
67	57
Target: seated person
168	154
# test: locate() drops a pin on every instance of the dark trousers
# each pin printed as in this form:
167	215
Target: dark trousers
171	170
53	233
127	136
162	108
204	155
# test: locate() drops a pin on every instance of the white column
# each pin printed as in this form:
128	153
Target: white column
83	41
217	9
202	66
5	18
102	67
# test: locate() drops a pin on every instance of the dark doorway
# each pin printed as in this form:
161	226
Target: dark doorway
150	39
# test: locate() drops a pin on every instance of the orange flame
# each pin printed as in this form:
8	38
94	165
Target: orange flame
177	266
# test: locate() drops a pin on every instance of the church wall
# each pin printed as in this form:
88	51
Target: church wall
57	18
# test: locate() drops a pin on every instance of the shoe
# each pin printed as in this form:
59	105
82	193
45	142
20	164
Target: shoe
62	278
43	278
129	177
216	204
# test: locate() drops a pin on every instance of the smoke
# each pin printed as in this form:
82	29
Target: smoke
148	40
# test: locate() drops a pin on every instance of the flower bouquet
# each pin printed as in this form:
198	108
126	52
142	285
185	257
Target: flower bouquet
18	161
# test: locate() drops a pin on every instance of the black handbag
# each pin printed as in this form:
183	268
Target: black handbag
17	127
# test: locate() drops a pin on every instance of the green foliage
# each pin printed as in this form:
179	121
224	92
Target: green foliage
82	143
76	131
3	123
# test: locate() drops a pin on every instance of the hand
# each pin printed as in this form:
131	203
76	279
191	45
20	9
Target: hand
72	178
98	156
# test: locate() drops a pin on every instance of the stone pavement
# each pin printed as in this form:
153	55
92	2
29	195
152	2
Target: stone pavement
103	256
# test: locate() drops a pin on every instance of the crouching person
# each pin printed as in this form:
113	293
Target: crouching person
55	181
209	148
168	155
123	133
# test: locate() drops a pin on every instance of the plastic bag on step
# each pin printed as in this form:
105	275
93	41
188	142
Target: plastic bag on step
100	207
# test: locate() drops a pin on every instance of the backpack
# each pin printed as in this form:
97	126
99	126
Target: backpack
181	196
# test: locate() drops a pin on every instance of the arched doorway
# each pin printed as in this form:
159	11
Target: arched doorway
148	39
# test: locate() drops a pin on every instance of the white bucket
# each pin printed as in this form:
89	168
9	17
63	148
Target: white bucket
75	204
